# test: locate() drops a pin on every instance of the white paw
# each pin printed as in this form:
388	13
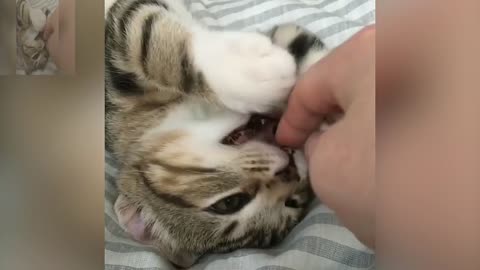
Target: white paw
38	19
245	70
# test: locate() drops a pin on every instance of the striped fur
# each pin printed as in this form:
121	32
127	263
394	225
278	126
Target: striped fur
173	90
23	14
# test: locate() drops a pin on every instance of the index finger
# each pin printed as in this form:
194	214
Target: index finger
323	87
309	101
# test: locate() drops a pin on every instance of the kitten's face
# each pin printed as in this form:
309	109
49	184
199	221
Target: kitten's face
35	54
178	203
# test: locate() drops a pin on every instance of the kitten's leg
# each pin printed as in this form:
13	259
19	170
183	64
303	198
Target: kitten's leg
146	49
150	45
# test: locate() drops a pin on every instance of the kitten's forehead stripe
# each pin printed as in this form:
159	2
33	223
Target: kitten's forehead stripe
169	198
258	169
180	169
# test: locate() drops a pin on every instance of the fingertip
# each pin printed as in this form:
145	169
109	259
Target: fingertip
286	135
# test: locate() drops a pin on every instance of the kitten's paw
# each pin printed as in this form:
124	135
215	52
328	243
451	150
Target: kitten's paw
301	43
38	19
246	71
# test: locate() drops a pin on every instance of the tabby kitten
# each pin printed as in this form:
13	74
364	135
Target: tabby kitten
32	48
190	116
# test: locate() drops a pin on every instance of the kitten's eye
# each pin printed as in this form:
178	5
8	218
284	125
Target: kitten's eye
230	204
35	56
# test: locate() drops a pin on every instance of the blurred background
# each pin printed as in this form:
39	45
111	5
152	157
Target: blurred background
7	37
51	153
52	141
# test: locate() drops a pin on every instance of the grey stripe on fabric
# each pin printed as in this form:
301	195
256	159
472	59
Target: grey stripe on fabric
367	18
274	267
325	32
124	267
110	160
281	9
311	18
110	179
217	3
125	248
43	3
321	218
225	12
309	244
110	182
111	196
340	26
115	229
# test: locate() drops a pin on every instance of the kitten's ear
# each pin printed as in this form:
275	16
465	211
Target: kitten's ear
132	222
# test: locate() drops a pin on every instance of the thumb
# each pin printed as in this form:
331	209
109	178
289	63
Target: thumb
47	31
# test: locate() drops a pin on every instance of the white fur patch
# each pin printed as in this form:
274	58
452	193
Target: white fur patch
108	5
38	18
246	71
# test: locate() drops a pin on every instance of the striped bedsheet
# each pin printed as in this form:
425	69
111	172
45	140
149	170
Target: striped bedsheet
50	4
319	242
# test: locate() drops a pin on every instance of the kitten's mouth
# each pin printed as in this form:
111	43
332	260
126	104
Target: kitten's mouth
258	127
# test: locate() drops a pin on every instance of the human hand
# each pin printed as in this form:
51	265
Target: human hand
59	34
51	25
342	159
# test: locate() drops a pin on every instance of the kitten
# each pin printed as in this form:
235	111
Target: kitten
190	116
32	49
